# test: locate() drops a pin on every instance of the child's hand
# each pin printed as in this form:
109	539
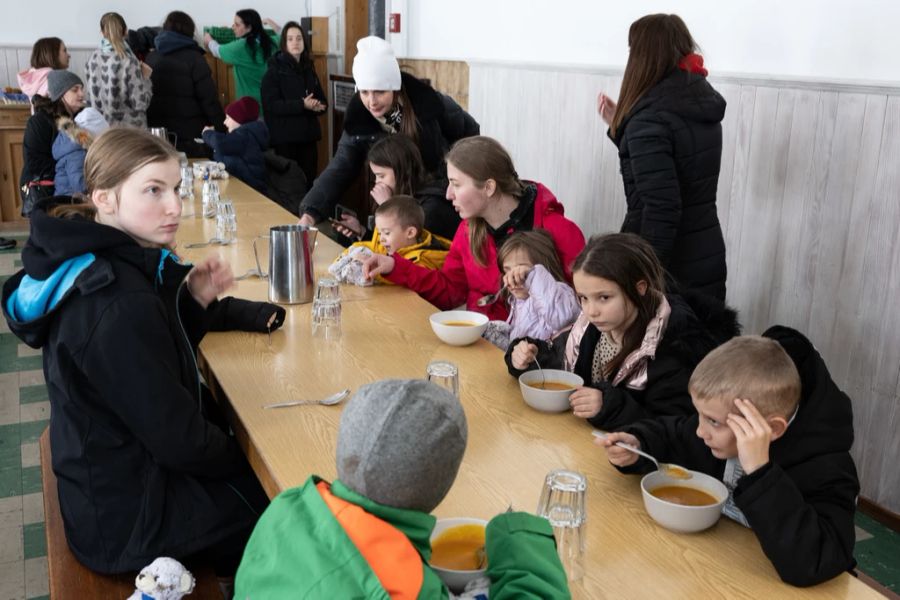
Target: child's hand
523	355
616	455
381	193
377	264
514	280
753	435
208	128
350	226
209	278
586	402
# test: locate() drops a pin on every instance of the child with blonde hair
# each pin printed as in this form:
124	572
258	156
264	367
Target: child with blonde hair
772	424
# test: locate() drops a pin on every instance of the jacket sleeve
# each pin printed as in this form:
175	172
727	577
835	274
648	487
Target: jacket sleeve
75	170
37	146
206	93
231	144
456	123
670	439
522	558
656	181
148	394
235	314
90	78
445	288
550	354
273	102
317	91
665	395
140	91
235	53
808	534
341	171
553	301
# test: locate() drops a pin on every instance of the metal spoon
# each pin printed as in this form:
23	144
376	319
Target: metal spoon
329	401
203	244
543	380
490	298
673	471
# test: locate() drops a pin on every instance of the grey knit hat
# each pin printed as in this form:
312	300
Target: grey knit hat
60	81
400	443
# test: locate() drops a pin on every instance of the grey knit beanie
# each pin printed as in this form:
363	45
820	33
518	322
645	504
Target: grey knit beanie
60	81
400	443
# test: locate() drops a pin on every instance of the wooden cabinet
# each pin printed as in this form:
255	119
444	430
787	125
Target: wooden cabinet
12	131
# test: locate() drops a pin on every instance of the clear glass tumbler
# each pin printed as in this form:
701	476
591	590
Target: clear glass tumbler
326	319
563	504
444	374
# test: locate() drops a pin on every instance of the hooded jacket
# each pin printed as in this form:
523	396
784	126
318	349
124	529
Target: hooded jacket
116	87
801	503
322	540
142	470
462	279
696	325
34	81
283	88
37	148
440	216
551	306
248	68
242	152
185	98
69	151
670	149
441	123
430	253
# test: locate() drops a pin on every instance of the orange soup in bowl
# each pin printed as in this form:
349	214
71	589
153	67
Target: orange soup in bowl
684	495
460	548
551	385
459	323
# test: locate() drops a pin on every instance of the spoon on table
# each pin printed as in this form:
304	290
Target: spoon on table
490	298
329	401
673	471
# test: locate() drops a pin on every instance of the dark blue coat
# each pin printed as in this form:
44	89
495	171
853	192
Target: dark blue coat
242	152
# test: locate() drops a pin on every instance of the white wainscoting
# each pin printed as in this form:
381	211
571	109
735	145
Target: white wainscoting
808	197
18	58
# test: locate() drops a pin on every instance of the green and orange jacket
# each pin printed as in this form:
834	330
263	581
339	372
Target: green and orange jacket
326	541
429	253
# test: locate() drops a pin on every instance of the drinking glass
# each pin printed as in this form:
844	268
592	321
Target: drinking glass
562	503
226	222
328	290
326	319
444	374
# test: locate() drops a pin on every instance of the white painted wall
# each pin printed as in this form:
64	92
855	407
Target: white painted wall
820	39
78	22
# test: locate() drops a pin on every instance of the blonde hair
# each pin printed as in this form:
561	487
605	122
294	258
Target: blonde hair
113	28
111	159
483	158
751	367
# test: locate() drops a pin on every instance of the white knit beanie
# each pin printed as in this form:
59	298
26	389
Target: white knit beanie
375	66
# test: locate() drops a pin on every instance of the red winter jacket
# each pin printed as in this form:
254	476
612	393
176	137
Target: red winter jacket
463	280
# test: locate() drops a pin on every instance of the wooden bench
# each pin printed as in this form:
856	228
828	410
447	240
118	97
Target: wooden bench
68	577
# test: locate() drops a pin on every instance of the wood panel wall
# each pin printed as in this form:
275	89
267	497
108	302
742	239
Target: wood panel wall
448	76
808	197
18	58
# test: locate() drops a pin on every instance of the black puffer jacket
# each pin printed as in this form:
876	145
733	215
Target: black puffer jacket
801	504
670	148
143	470
697	325
284	86
37	148
440	216
185	98
441	123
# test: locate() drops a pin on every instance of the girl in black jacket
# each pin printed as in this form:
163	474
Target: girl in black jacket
388	103
185	99
292	100
144	469
667	126
634	345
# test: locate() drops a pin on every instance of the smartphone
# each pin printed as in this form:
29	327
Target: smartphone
341	210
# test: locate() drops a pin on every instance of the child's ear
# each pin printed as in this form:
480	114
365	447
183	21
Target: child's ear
641	287
412	232
105	201
778	425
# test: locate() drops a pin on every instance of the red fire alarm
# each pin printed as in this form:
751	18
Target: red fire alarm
394	23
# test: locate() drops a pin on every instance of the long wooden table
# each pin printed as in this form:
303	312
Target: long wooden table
511	447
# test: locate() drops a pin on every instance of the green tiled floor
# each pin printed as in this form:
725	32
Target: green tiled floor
879	555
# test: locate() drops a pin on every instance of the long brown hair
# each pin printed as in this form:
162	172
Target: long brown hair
540	248
626	259
402	156
483	158
304	56
657	43
113	28
45	53
409	126
112	158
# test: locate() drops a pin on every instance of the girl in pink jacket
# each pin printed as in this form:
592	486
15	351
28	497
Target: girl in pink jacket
541	301
494	203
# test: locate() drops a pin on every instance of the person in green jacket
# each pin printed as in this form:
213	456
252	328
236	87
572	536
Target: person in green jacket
367	534
249	52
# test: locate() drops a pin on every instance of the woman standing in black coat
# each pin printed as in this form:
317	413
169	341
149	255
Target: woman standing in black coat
292	100
185	98
668	128
388	103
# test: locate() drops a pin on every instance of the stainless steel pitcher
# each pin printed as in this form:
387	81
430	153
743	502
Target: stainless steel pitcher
291	270
163	133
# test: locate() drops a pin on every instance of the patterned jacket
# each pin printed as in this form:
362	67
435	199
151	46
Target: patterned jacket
117	88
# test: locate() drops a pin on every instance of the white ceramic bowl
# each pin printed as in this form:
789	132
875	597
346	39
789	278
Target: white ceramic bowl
456	335
453	579
548	400
678	517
